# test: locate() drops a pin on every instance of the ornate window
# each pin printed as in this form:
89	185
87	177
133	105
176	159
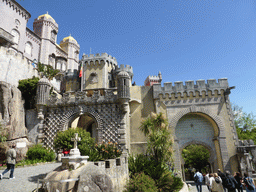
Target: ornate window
28	48
16	35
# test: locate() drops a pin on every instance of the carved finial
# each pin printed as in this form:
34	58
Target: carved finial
47	12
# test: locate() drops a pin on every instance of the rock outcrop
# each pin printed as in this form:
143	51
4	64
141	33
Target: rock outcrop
12	119
91	178
12	112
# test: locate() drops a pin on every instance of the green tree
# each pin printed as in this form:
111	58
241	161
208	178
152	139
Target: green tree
196	156
245	124
28	90
159	140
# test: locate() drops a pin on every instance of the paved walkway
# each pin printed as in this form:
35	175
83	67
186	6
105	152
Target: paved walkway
193	187
25	178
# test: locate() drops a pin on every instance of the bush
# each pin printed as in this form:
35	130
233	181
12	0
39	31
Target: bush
38	153
164	179
108	151
63	140
147	164
141	182
87	145
168	182
28	90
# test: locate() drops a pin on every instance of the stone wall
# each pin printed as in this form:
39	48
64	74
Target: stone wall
118	171
14	66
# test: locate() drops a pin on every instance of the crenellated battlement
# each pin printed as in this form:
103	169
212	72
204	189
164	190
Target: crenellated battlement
190	87
126	68
98	57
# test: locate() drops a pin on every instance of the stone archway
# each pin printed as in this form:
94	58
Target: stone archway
58	119
206	146
219	135
88	123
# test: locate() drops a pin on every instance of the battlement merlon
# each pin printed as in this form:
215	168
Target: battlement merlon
98	57
126	68
189	87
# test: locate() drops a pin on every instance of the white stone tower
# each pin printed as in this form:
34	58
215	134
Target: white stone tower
71	47
46	28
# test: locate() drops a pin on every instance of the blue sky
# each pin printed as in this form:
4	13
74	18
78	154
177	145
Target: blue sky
185	40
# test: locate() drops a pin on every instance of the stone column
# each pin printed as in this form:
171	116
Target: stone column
43	92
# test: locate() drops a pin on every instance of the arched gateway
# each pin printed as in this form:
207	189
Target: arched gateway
200	114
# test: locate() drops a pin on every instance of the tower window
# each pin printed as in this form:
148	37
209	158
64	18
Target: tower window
53	35
16	35
28	48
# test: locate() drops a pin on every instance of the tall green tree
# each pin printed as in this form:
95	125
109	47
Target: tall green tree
196	156
159	139
159	154
245	123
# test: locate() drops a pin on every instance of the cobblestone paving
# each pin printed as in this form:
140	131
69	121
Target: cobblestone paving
25	178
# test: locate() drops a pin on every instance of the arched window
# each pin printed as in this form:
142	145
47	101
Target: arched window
16	35
28	48
53	35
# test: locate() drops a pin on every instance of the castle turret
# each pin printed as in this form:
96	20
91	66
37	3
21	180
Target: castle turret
123	94
71	81
72	48
46	28
97	71
43	92
123	86
151	80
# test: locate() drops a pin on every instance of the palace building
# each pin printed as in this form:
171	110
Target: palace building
96	93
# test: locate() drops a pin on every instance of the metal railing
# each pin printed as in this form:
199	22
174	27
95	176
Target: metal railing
46	181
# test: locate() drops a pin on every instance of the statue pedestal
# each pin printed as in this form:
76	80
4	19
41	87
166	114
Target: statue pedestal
74	160
74	153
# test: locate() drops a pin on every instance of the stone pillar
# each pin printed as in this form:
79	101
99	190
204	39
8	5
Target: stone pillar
43	92
123	93
224	153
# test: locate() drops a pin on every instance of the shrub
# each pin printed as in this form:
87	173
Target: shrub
87	145
169	183
39	153
63	140
146	164
141	182
108	151
28	90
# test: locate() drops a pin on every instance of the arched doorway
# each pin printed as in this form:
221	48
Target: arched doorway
198	128
195	157
87	122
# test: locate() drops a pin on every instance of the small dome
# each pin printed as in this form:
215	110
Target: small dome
46	16
69	39
43	80
123	74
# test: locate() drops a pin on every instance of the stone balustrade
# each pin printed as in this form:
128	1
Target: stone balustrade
91	96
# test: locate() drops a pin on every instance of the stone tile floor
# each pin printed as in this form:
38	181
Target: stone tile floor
25	178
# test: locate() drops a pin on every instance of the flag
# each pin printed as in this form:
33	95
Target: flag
81	70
